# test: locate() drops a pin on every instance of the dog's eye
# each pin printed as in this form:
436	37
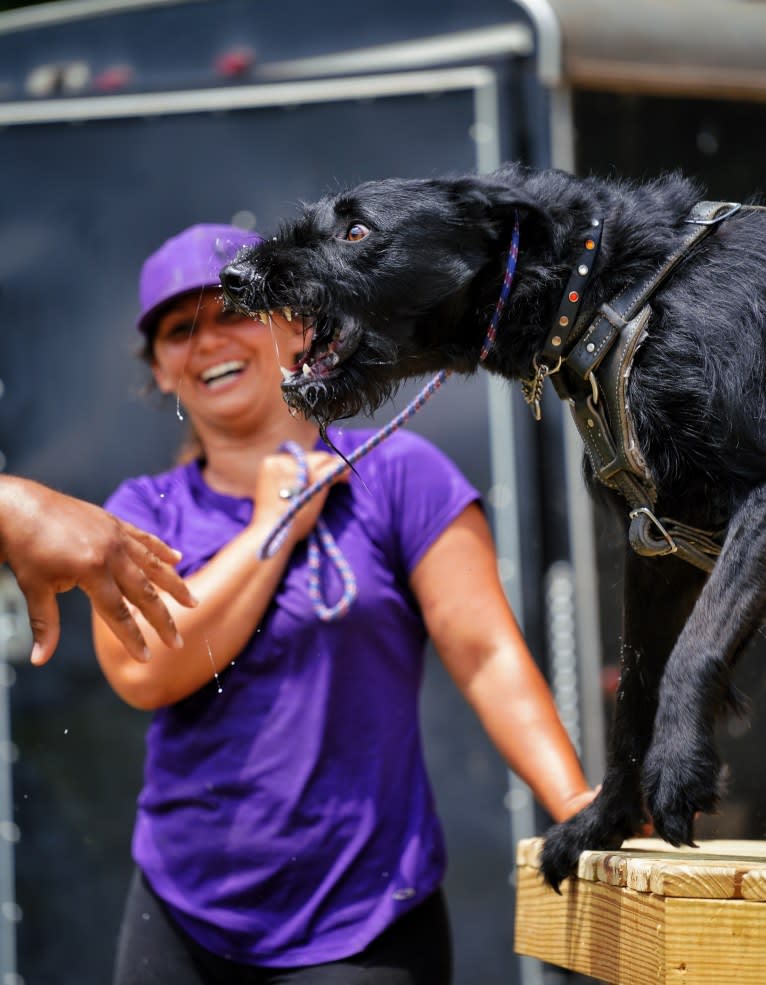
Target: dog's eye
356	232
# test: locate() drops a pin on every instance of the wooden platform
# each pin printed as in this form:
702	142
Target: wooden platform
650	914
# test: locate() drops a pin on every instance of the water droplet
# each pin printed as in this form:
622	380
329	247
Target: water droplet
212	664
146	916
66	731
402	894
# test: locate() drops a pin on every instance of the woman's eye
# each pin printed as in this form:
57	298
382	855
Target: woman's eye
356	232
177	331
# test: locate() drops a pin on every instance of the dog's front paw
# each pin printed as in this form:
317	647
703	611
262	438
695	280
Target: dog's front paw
600	825
680	779
561	851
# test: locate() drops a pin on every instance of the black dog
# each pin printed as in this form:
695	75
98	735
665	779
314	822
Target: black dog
400	278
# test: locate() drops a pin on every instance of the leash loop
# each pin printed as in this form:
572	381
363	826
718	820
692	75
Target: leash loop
321	535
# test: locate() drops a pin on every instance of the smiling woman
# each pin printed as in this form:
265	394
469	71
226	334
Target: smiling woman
286	830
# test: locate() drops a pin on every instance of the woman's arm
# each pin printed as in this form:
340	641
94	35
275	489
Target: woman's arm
472	626
233	589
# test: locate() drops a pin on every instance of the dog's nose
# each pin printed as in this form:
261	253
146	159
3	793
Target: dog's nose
237	283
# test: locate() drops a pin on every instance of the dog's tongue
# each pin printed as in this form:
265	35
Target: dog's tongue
314	367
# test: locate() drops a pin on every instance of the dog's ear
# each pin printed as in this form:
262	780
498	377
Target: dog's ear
494	204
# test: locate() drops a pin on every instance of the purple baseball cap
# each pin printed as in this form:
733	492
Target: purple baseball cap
187	262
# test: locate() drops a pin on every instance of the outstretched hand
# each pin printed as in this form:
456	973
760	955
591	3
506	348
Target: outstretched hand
53	543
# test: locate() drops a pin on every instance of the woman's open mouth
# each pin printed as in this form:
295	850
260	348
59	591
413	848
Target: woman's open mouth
220	374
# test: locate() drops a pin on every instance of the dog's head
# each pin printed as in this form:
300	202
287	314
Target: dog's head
393	278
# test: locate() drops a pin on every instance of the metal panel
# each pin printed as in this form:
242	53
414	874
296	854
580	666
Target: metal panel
71	241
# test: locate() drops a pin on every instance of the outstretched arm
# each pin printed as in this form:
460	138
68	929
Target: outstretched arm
472	626
53	542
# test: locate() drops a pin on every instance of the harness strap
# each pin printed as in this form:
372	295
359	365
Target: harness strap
595	342
593	377
654	536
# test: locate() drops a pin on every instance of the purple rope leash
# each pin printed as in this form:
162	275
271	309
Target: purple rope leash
321	536
276	537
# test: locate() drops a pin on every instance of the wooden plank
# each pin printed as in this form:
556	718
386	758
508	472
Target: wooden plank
597	930
712	942
715	870
706	927
754	885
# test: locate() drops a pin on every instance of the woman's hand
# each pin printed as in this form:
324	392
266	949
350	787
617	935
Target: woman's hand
277	475
576	803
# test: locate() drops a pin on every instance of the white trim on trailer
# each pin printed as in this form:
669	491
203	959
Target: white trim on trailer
549	41
243	97
47	14
461	46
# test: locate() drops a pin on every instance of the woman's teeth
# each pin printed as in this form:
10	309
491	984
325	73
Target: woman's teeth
222	371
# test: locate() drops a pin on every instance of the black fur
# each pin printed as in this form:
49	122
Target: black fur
415	294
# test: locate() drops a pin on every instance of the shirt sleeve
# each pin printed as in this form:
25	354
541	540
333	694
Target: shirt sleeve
425	492
130	501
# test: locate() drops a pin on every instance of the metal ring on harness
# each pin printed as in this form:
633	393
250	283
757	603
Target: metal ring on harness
639	541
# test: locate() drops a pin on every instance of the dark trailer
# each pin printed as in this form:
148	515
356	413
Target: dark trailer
121	122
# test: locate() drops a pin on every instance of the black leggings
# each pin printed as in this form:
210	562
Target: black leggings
153	950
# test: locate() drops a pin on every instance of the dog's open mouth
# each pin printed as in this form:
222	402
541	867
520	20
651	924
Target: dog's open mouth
329	345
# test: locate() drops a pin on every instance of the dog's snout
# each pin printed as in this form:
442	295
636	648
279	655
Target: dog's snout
237	282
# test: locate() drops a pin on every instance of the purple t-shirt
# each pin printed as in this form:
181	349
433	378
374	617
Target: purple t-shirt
288	819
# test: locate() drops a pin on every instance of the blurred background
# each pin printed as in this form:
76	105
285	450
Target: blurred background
122	122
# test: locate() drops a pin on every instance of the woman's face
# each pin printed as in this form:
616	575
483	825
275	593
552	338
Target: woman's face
223	365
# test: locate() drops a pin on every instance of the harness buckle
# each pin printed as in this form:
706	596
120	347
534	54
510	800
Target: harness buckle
733	207
672	546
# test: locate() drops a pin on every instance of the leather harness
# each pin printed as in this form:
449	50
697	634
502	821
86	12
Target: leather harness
588	360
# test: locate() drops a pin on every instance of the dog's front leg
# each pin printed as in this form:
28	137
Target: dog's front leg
659	595
682	767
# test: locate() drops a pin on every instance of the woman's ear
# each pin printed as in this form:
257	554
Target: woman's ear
162	379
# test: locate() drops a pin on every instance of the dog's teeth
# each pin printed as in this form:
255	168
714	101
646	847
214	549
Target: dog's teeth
264	317
288	313
306	369
286	373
